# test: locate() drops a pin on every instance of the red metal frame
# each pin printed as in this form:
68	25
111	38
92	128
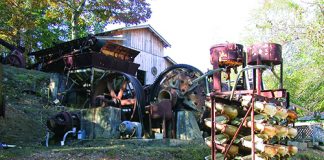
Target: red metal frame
265	53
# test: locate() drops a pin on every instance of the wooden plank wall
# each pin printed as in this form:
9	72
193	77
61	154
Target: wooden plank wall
152	51
147	61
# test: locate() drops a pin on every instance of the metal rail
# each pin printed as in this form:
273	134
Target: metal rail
244	69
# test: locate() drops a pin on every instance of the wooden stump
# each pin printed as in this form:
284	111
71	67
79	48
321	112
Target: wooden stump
102	122
187	126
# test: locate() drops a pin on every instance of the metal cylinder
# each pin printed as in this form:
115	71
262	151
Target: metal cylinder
131	129
63	122
269	53
224	55
169	95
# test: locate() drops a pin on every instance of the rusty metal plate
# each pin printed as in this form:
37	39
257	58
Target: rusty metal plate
269	53
227	54
88	60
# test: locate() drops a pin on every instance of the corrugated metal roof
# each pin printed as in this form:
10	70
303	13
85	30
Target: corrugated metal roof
165	42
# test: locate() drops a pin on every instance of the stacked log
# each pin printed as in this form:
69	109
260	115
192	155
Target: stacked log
270	127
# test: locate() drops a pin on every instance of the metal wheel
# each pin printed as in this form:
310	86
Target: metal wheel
120	90
176	83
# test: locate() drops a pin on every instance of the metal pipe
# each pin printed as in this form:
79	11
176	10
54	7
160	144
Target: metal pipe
194	83
209	73
244	69
259	77
47	138
213	114
281	76
65	135
247	80
252	129
207	85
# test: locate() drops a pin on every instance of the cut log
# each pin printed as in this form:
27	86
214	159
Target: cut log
266	108
219	139
262	128
233	151
230	111
224	128
268	149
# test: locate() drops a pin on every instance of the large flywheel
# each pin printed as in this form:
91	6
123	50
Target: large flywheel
179	84
118	89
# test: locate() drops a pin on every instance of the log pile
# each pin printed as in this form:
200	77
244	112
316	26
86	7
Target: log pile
271	128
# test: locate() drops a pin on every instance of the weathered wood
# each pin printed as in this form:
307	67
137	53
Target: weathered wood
151	47
101	122
187	126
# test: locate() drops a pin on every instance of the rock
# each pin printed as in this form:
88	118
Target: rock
101	122
187	126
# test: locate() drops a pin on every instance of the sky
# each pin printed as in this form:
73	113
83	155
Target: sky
192	26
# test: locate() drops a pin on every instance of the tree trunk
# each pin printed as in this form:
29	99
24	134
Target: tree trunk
75	19
74	23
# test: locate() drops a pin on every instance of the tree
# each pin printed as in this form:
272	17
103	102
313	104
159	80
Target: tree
37	24
298	26
18	19
82	16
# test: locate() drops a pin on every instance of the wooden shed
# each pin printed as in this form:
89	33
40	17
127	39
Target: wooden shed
151	45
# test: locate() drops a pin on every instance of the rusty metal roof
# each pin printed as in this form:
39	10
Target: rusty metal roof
77	44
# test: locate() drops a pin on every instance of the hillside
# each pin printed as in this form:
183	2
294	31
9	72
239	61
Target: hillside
27	110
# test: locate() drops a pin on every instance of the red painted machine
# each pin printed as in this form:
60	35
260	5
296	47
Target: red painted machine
246	120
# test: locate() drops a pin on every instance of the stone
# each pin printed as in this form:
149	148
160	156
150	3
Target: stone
187	126
101	122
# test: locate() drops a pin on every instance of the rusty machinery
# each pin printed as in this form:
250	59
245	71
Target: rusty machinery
16	57
116	85
246	120
179	87
63	122
235	109
121	90
155	105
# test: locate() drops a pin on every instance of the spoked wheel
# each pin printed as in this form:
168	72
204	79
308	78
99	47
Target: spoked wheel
120	90
178	84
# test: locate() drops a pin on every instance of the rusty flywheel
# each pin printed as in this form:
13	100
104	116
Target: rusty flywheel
177	84
120	90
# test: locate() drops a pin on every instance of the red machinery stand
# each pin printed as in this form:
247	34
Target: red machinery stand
258	58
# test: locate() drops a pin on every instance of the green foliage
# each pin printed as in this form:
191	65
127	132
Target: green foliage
298	26
310	155
38	24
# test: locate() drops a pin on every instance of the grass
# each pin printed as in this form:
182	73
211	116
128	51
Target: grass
310	154
110	149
